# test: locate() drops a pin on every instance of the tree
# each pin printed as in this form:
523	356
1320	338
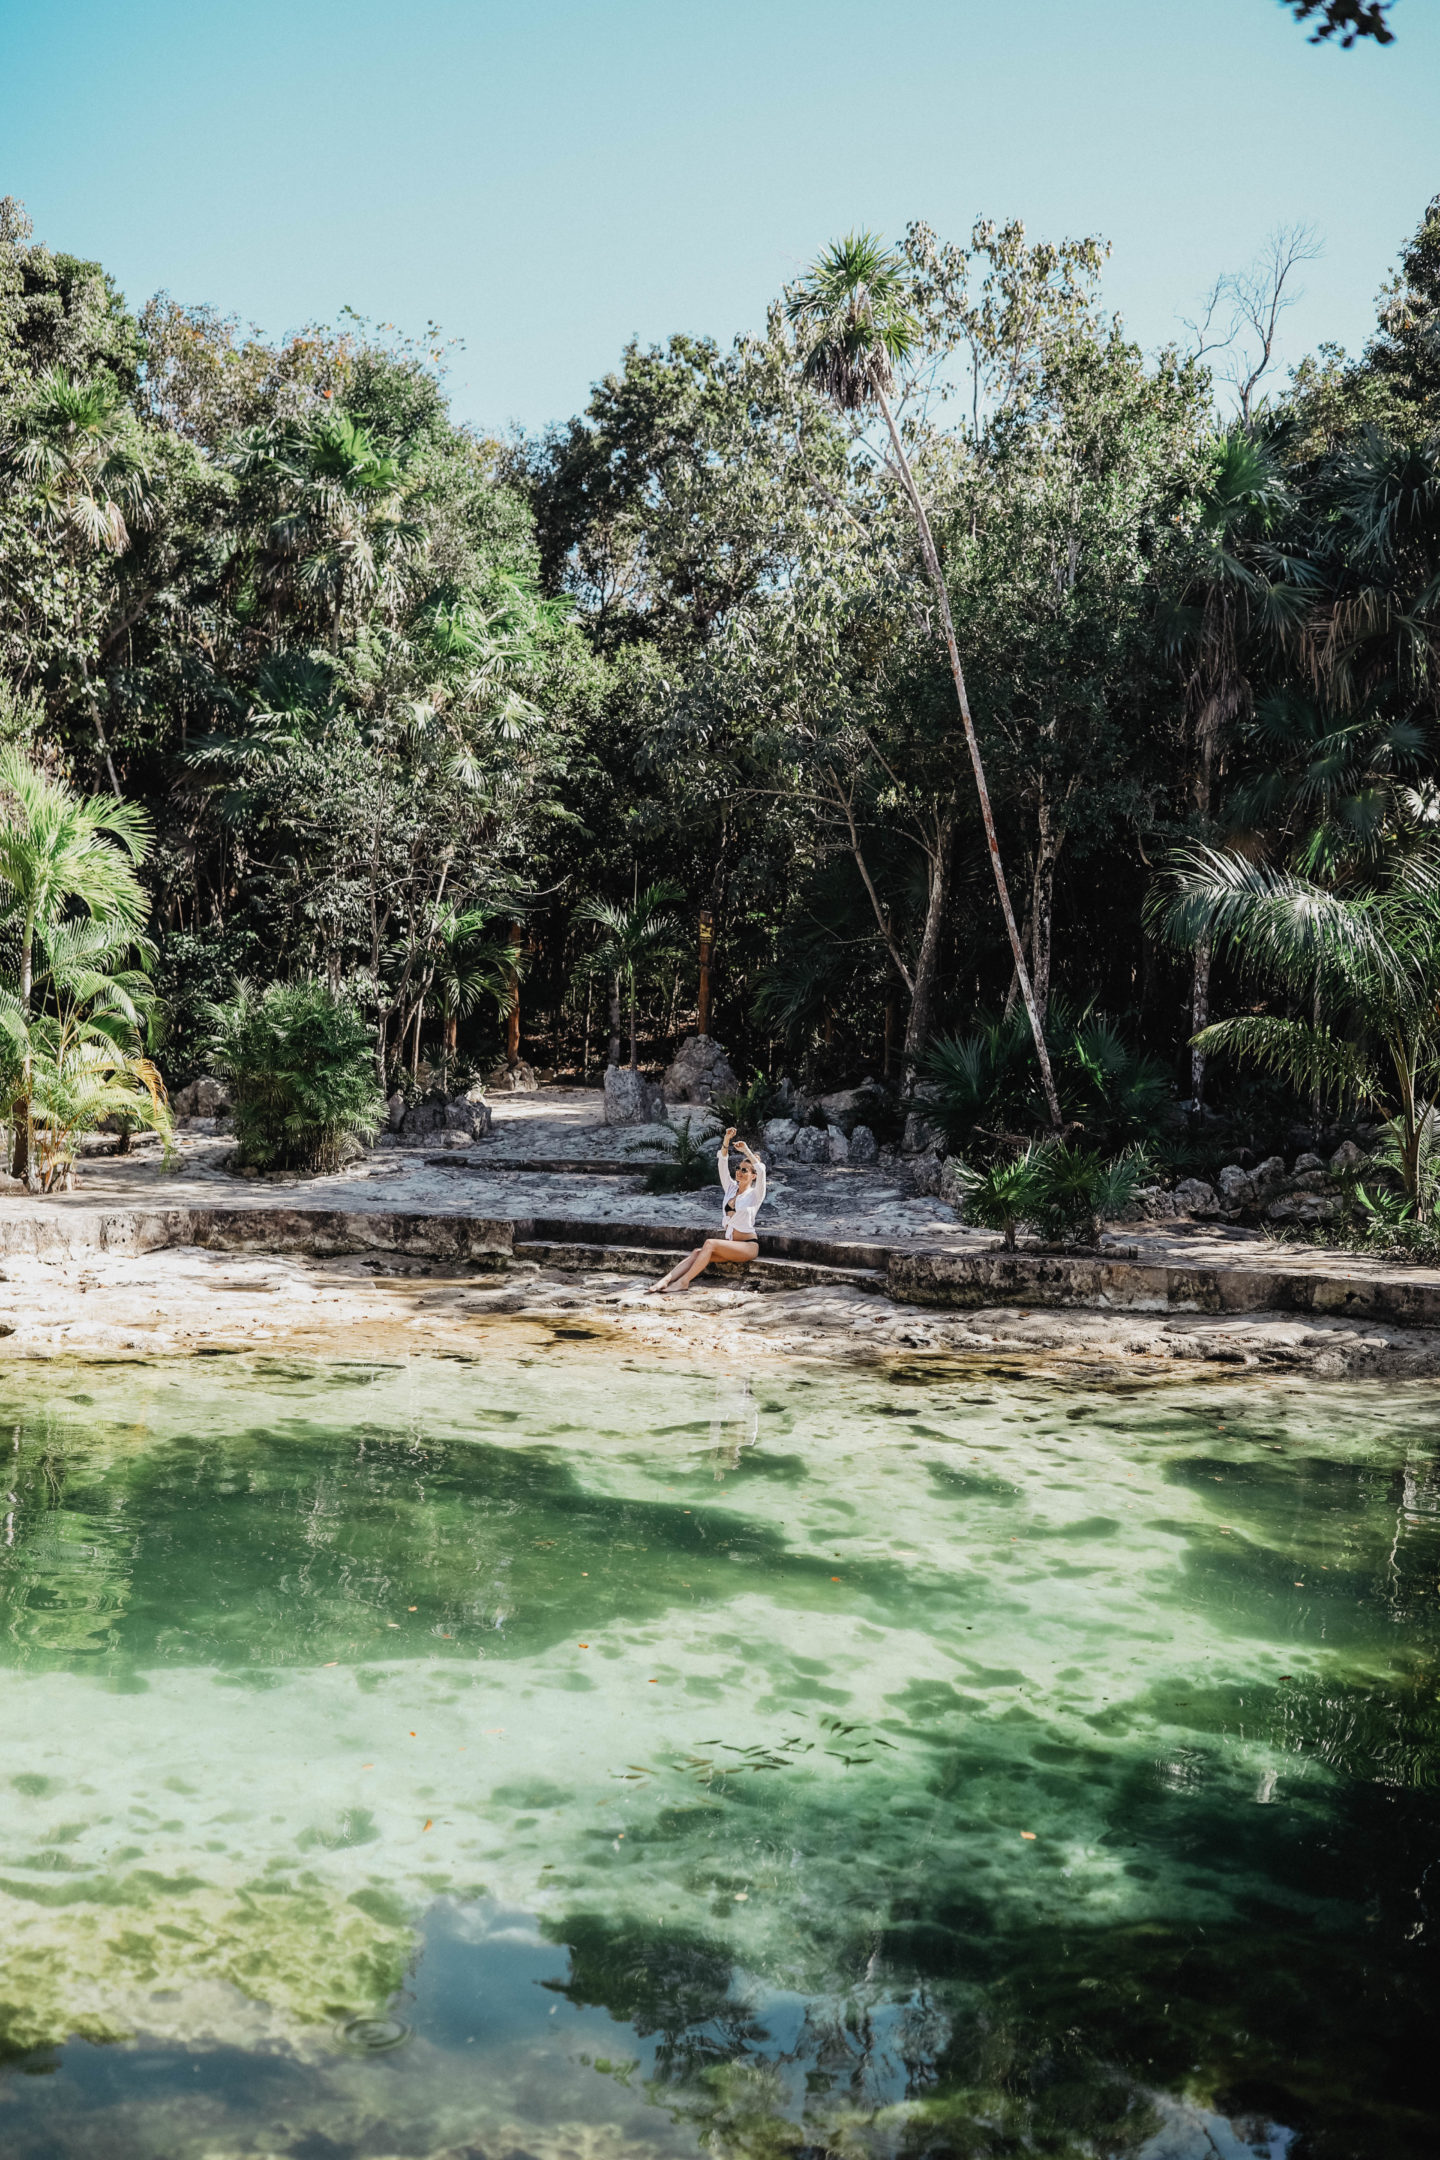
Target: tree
299	1062
1245	593
638	935
59	849
851	314
1366	965
1349	20
81	1059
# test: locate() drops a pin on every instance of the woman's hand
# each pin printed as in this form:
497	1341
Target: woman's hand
729	1136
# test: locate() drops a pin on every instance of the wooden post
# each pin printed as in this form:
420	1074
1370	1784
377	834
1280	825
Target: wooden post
707	938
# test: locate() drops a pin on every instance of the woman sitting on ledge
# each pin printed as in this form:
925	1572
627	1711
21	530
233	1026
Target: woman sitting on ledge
743	1195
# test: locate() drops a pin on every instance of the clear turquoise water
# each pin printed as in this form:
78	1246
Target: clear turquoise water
561	1754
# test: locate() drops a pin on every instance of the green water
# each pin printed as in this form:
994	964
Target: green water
560	1754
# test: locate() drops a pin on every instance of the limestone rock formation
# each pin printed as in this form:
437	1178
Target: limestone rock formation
631	1099
864	1148
516	1079
698	1072
205	1098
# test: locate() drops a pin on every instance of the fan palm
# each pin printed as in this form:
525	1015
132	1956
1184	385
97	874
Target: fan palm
468	965
57	849
855	326
1246	590
638	935
331	526
1340	785
82	454
79	1058
1367	965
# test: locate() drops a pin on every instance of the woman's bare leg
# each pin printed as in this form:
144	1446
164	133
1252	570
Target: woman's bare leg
722	1249
667	1281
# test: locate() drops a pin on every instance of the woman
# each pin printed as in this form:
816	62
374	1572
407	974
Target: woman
743	1194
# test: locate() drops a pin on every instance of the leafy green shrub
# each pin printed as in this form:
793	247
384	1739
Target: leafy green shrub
1002	1194
1064	1190
301	1067
1080	1188
692	1169
987	1083
746	1106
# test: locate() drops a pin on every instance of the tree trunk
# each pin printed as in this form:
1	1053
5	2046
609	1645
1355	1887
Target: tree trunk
613	1057
927	963
633	1063
20	1161
1199	1016
1042	904
942	598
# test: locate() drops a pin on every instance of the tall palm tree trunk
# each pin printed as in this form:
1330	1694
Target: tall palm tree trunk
942	598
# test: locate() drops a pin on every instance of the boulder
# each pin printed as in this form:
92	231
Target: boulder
516	1079
1307	1162
1236	1186
1155	1204
921	1137
777	1137
1347	1159
464	1116
204	1097
698	1072
838	1143
1303	1208
863	1146
1268	1172
396	1111
810	1145
925	1174
849	1107
631	1099
952	1188
1194	1197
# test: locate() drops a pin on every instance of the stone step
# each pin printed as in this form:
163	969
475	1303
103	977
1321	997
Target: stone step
545	1165
761	1274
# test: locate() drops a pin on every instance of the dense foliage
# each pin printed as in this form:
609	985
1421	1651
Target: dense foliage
445	722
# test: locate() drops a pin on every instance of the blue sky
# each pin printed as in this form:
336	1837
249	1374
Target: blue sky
546	179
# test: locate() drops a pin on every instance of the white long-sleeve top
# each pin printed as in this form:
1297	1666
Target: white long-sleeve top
740	1208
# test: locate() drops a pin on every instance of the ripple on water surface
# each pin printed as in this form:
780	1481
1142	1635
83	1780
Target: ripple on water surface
566	1751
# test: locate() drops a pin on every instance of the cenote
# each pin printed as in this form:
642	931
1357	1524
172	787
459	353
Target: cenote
564	1754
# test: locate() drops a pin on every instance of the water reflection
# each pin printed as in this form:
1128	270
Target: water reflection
756	1763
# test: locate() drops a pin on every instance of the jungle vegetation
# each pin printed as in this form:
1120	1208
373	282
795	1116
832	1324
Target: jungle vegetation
985	679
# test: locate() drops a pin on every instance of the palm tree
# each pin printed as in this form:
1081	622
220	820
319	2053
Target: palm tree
468	966
1338	785
1367	965
81	1058
330	522
80	450
58	849
81	453
638	935
856	329
1245	588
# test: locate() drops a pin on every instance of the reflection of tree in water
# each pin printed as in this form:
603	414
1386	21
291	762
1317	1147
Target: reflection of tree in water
734	1421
